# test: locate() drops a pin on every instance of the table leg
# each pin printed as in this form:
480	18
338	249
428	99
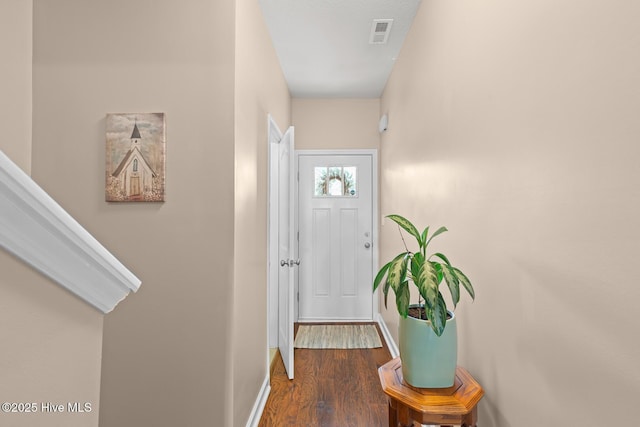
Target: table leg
472	417
394	419
393	416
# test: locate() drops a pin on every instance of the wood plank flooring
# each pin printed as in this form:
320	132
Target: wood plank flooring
331	388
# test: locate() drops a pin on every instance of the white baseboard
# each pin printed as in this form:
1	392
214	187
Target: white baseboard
393	348
261	401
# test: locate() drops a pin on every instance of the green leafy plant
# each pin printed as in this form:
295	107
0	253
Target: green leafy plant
427	273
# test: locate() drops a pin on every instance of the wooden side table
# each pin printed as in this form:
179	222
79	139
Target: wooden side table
454	405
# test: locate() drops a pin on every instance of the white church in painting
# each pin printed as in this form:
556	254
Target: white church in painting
134	171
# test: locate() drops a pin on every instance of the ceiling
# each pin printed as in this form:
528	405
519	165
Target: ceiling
323	45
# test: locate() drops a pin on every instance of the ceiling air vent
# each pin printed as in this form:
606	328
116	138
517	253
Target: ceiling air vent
380	29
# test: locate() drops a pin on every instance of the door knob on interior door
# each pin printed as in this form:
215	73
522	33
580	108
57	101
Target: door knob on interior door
290	262
367	245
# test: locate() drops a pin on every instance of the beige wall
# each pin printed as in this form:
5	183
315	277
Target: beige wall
51	340
51	349
336	123
515	125
15	80
260	89
166	348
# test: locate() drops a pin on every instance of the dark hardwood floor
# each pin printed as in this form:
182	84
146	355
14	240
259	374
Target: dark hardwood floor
331	388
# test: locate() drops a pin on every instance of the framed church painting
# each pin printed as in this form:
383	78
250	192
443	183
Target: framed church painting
135	157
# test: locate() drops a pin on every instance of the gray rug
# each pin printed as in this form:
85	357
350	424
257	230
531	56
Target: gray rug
337	336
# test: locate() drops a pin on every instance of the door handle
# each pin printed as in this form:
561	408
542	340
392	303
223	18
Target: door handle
367	245
290	262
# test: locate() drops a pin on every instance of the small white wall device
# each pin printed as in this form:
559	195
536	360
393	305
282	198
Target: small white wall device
382	124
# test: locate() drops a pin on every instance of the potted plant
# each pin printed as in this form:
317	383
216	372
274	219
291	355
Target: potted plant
427	330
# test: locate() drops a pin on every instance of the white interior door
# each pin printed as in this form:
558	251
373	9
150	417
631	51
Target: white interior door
286	247
335	196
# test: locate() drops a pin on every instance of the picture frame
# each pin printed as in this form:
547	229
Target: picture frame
135	157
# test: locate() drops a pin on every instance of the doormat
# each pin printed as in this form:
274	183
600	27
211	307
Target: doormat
337	336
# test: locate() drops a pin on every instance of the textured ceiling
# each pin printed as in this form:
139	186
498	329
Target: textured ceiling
323	45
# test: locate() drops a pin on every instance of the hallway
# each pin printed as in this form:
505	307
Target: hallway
331	388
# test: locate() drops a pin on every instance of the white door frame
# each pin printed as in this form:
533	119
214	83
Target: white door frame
374	215
274	136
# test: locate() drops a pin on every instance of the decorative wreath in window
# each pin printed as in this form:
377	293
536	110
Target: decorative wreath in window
335	182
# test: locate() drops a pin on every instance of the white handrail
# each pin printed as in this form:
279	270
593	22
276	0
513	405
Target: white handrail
36	229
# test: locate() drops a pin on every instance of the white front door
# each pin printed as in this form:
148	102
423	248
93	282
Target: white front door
335	196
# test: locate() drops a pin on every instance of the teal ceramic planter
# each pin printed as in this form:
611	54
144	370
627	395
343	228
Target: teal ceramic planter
428	361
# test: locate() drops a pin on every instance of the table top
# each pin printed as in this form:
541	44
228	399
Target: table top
458	399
